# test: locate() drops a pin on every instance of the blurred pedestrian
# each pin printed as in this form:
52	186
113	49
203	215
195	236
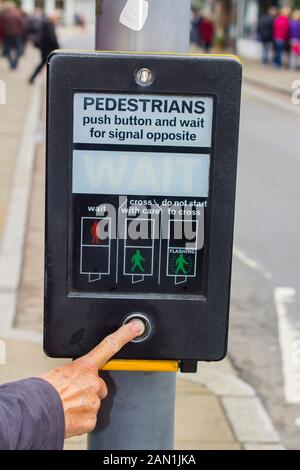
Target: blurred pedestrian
47	42
79	20
196	19
295	39
265	31
13	29
34	26
281	34
207	31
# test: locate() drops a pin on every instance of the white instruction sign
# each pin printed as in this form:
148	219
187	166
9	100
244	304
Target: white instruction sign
148	120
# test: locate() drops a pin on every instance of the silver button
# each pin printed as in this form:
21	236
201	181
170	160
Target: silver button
147	324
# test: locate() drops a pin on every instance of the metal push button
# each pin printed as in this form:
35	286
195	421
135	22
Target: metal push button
146	322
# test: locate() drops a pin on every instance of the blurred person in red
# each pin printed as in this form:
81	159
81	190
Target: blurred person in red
281	34
13	26
207	32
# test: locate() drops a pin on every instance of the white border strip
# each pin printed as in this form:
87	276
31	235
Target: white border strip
247	416
289	339
13	241
274	101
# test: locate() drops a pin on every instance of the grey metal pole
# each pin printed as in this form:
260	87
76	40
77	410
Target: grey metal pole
139	412
165	28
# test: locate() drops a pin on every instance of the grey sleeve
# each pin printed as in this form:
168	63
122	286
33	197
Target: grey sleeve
31	416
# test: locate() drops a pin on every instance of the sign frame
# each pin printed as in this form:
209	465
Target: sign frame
185	327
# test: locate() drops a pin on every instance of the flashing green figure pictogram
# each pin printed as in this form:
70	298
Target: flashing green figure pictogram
181	263
137	260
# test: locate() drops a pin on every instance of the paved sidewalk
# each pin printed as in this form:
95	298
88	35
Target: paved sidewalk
279	80
12	116
267	77
214	409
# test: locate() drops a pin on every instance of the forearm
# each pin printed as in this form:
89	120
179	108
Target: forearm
31	416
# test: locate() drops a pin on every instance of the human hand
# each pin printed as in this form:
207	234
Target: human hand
79	385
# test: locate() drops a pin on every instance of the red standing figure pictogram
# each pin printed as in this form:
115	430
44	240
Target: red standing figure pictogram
95	238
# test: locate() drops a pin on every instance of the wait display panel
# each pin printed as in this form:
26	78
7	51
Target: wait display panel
140	192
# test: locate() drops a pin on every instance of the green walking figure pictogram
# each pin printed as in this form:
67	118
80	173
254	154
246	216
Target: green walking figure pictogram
137	260
180	265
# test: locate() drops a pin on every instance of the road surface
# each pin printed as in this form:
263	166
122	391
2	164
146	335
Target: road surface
265	322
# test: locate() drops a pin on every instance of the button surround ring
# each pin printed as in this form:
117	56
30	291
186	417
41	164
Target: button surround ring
148	326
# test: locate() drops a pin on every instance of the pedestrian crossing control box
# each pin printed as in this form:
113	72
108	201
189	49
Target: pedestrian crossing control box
141	179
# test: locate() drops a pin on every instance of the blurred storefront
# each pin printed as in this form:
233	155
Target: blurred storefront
237	22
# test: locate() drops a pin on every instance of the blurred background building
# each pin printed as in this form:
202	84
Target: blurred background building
69	9
236	21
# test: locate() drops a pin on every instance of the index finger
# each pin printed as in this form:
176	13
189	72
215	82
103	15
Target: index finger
112	344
